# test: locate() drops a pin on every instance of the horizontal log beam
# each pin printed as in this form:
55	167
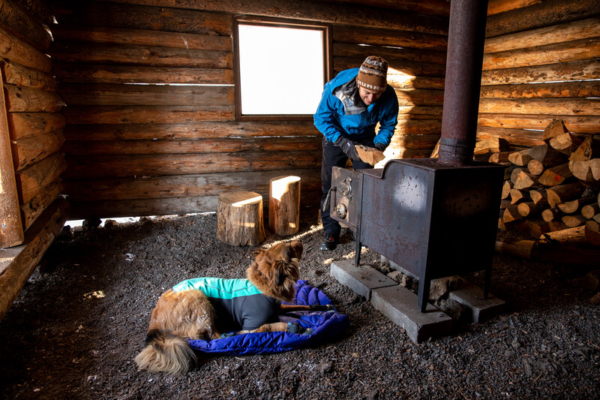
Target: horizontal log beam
541	106
516	137
432	7
415	55
395	67
24	125
388	37
420	97
25	99
140	37
414	142
419	127
585	29
29	150
38	9
174	186
145	114
73	73
146	95
197	130
545	90
31	210
501	6
98	167
347	14
20	52
423	110
577	50
18	22
400	81
33	179
546	13
577	70
575	124
212	146
403	153
18	75
140	55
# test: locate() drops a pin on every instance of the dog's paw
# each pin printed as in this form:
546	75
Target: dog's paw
325	307
298	329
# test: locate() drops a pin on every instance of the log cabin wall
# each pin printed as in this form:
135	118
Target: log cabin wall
541	62
137	145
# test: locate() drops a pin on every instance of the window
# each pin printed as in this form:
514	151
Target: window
281	68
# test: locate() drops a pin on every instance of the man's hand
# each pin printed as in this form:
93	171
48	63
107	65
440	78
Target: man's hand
348	148
369	155
380	146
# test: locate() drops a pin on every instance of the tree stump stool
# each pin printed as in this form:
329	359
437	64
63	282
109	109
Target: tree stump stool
240	219
284	205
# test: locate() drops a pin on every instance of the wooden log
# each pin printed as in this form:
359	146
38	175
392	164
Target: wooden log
555	129
389	53
517	196
140	37
547	155
576	50
20	52
501	6
516	137
561	193
511	214
538	196
414	141
570	254
31	180
556	106
585	69
284	205
595	168
529	208
573	206
388	37
18	23
38	10
597	218
590	210
535	167
18	75
145	114
25	258
582	170
422	97
499	157
75	73
240	219
586	150
488	146
402	81
555	175
565	143
551	214
418	127
541	90
435	7
520	158
546	13
140	55
504	204
506	188
522	248
24	99
537	228
573	235
29	150
396	67
522	179
36	206
11	233
573	220
592	232
23	125
584	29
579	124
556	226
424	110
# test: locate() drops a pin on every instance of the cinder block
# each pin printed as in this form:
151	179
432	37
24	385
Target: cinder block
400	306
472	297
362	280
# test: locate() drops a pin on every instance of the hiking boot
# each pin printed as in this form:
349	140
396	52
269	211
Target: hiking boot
330	243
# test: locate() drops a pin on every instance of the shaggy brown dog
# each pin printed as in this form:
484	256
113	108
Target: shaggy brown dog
188	313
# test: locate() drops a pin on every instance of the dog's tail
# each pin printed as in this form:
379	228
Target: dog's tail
165	352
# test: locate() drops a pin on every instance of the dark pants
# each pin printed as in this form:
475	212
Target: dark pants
334	156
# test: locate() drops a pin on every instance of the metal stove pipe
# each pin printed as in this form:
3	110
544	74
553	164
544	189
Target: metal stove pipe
466	37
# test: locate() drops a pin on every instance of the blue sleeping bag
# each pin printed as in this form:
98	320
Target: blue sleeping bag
325	325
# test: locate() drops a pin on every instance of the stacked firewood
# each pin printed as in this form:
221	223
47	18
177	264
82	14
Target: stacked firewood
551	190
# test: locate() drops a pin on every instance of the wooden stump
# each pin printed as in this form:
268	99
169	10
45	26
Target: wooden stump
240	219
284	205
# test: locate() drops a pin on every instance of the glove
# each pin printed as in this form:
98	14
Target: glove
347	147
380	146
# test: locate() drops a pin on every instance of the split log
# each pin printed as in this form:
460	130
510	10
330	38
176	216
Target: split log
517	195
561	193
586	150
499	157
590	210
24	125
566	143
504	204
24	99
597	218
522	179
29	150
516	137
538	196
511	214
284	205
20	52
573	206
530	208
576	70
551	214
573	220
555	128
592	232
556	226
535	167
520	158
556	175
595	168
547	155
537	228
577	124
18	75
508	170
506	188
523	248
582	170
36	206
574	235
240	219
31	180
494	145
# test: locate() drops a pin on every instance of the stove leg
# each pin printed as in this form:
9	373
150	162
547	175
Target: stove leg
424	286
357	257
486	284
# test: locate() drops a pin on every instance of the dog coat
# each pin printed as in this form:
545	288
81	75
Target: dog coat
238	303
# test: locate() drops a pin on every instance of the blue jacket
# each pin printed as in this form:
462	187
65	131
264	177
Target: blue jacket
331	119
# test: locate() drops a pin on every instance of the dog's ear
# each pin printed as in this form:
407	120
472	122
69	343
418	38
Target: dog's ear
297	247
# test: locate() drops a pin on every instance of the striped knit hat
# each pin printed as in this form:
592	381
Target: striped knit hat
372	74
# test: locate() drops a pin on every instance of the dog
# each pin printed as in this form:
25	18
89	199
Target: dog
204	308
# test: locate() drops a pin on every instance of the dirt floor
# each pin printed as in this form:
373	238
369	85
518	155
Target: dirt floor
81	319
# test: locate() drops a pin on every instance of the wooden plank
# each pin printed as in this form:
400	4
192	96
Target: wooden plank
500	6
585	29
18	23
146	95
546	13
396	66
25	258
140	55
541	106
31	180
24	125
140	37
120	166
25	99
347	14
29	150
389	53
517	137
542	90
20	52
146	114
196	185
11	233
74	73
18	75
212	146
575	124
577	70
577	50
388	37
36	206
